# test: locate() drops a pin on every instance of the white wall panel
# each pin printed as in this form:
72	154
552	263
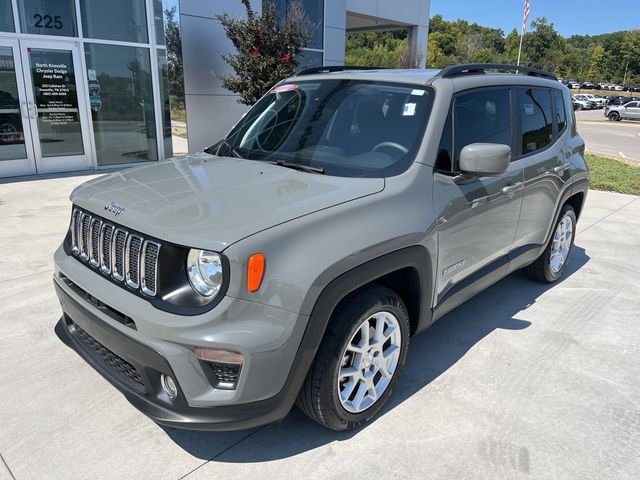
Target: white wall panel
210	117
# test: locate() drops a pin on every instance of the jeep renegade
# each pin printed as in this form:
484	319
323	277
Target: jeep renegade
292	261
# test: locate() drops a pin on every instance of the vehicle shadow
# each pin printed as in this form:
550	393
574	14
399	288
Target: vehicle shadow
430	355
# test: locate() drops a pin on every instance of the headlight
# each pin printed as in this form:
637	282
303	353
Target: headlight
204	269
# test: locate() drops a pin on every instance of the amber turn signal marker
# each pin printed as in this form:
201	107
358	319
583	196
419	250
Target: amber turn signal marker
255	271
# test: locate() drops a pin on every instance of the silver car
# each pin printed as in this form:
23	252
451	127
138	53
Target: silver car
628	111
292	261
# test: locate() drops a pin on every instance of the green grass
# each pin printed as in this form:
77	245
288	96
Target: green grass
603	93
613	175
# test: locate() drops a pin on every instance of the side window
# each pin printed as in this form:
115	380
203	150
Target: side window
536	118
443	160
483	116
561	113
632	104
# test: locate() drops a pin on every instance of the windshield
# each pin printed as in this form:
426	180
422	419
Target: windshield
341	127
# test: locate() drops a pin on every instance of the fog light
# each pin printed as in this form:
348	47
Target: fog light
169	386
218	355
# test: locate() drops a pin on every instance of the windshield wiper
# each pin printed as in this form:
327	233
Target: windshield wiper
224	142
297	166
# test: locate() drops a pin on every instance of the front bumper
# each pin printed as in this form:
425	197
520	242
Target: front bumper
133	360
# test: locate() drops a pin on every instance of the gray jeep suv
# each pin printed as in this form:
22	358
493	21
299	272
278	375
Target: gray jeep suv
292	261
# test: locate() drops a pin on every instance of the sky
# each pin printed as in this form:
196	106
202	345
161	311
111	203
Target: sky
580	17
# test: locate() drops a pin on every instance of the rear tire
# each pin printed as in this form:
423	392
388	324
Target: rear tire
356	356
553	261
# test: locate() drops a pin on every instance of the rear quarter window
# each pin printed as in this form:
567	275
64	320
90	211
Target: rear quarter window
536	118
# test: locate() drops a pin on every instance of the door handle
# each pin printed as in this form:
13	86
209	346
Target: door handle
511	189
561	168
35	111
24	110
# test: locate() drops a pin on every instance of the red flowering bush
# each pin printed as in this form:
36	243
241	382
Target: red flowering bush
267	48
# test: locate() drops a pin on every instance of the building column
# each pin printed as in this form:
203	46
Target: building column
418	43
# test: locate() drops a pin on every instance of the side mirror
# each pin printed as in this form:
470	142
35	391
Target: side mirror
485	159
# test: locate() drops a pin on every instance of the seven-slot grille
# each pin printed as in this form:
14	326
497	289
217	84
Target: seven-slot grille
125	256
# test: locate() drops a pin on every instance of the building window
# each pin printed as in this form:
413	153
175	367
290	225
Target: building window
314	11
123	20
310	58
169	49
124	120
6	16
48	17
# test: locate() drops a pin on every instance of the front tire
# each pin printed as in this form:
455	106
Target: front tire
614	117
550	266
359	360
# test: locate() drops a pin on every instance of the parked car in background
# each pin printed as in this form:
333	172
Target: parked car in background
586	85
599	101
573	84
617	100
581	102
628	111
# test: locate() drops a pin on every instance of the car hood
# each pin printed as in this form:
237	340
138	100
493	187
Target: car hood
211	202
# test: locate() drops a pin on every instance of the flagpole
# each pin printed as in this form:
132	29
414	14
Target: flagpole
520	49
525	17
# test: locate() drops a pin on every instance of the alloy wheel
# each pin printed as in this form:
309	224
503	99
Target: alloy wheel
561	246
369	362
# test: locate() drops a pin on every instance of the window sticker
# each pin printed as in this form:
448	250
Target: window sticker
528	109
409	110
285	88
417	92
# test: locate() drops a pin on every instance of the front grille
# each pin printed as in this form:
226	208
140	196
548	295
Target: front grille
119	244
75	230
94	246
132	261
84	236
118	366
106	236
150	267
126	257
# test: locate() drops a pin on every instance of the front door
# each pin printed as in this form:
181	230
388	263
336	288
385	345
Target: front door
46	103
477	217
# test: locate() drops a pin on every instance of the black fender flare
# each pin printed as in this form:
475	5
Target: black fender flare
332	294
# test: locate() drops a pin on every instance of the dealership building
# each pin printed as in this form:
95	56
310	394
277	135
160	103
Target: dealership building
95	84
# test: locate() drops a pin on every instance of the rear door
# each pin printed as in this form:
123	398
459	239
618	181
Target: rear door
541	119
633	110
476	220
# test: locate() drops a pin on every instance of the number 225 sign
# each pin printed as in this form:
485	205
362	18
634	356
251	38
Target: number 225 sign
47	21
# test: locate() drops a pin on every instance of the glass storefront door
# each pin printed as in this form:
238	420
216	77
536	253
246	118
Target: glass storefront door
16	152
45	107
56	96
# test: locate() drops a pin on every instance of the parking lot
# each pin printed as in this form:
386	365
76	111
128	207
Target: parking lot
524	381
617	139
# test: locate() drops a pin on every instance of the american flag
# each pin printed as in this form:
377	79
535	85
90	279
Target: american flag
526	16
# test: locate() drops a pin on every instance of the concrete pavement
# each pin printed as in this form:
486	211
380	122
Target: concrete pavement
616	139
523	381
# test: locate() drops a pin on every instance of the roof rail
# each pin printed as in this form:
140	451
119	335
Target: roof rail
334	68
480	68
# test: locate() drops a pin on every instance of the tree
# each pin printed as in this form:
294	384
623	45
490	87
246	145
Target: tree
631	53
596	70
458	41
173	41
267	48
